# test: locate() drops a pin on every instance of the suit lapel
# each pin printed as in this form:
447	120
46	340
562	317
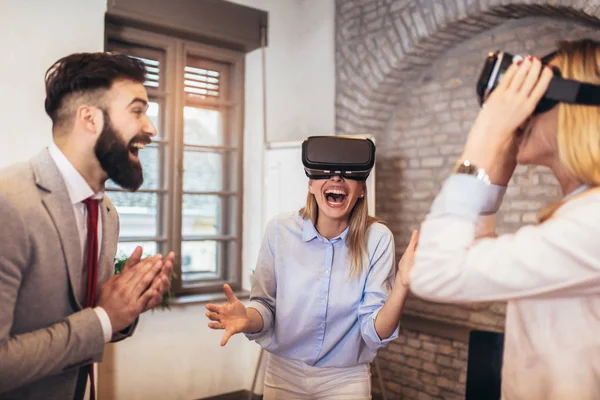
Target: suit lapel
55	198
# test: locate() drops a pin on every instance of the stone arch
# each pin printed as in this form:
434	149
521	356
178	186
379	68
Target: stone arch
383	44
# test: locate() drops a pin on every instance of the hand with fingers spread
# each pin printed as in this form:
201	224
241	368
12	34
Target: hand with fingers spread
233	317
125	296
408	260
492	141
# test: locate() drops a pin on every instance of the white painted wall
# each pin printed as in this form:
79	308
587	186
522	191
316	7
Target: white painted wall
173	355
300	68
33	35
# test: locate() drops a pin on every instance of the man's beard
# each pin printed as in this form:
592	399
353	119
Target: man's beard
113	155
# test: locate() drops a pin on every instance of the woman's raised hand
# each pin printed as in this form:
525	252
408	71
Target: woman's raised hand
492	143
408	260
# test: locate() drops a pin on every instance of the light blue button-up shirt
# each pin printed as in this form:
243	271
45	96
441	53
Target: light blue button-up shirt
312	310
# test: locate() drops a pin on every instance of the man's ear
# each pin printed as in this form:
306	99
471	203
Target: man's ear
91	118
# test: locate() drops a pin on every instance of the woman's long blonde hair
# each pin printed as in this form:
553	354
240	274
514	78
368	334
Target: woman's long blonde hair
579	125
578	137
359	224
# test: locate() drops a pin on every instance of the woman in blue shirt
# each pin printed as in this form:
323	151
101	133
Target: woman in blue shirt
322	299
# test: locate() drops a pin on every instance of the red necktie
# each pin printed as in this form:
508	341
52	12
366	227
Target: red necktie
92	267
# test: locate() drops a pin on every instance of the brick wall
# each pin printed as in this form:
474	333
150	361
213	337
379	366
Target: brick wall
424	367
381	45
406	73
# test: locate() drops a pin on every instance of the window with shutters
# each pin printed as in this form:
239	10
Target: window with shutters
191	198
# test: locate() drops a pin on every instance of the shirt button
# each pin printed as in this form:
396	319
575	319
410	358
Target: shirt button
326	272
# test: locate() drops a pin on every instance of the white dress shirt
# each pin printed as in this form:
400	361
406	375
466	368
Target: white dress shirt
79	190
549	274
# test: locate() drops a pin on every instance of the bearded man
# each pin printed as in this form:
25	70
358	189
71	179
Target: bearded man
59	301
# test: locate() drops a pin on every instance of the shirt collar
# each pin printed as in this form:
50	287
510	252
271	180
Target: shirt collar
344	233
309	232
77	187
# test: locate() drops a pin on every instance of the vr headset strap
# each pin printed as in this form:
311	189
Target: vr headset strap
574	92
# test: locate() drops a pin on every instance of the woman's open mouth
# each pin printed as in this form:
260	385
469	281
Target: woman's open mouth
336	197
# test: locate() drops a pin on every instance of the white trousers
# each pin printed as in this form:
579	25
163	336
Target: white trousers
294	380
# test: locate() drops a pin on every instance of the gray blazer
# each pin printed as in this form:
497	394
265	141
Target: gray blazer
46	336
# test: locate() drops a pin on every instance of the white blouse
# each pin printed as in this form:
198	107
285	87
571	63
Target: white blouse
548	273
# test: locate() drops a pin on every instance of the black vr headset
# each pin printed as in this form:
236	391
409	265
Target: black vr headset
559	89
348	157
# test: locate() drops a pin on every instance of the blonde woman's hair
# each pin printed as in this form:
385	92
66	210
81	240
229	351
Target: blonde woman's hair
579	125
360	222
578	136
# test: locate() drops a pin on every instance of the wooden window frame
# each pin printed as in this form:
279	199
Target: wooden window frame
172	98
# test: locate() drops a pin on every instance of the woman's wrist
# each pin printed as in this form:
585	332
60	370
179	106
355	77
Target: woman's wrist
254	321
400	286
498	167
492	147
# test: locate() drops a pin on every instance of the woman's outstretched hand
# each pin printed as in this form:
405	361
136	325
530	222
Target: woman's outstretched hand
408	260
230	316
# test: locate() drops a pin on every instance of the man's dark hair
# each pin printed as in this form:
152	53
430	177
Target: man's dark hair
81	74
